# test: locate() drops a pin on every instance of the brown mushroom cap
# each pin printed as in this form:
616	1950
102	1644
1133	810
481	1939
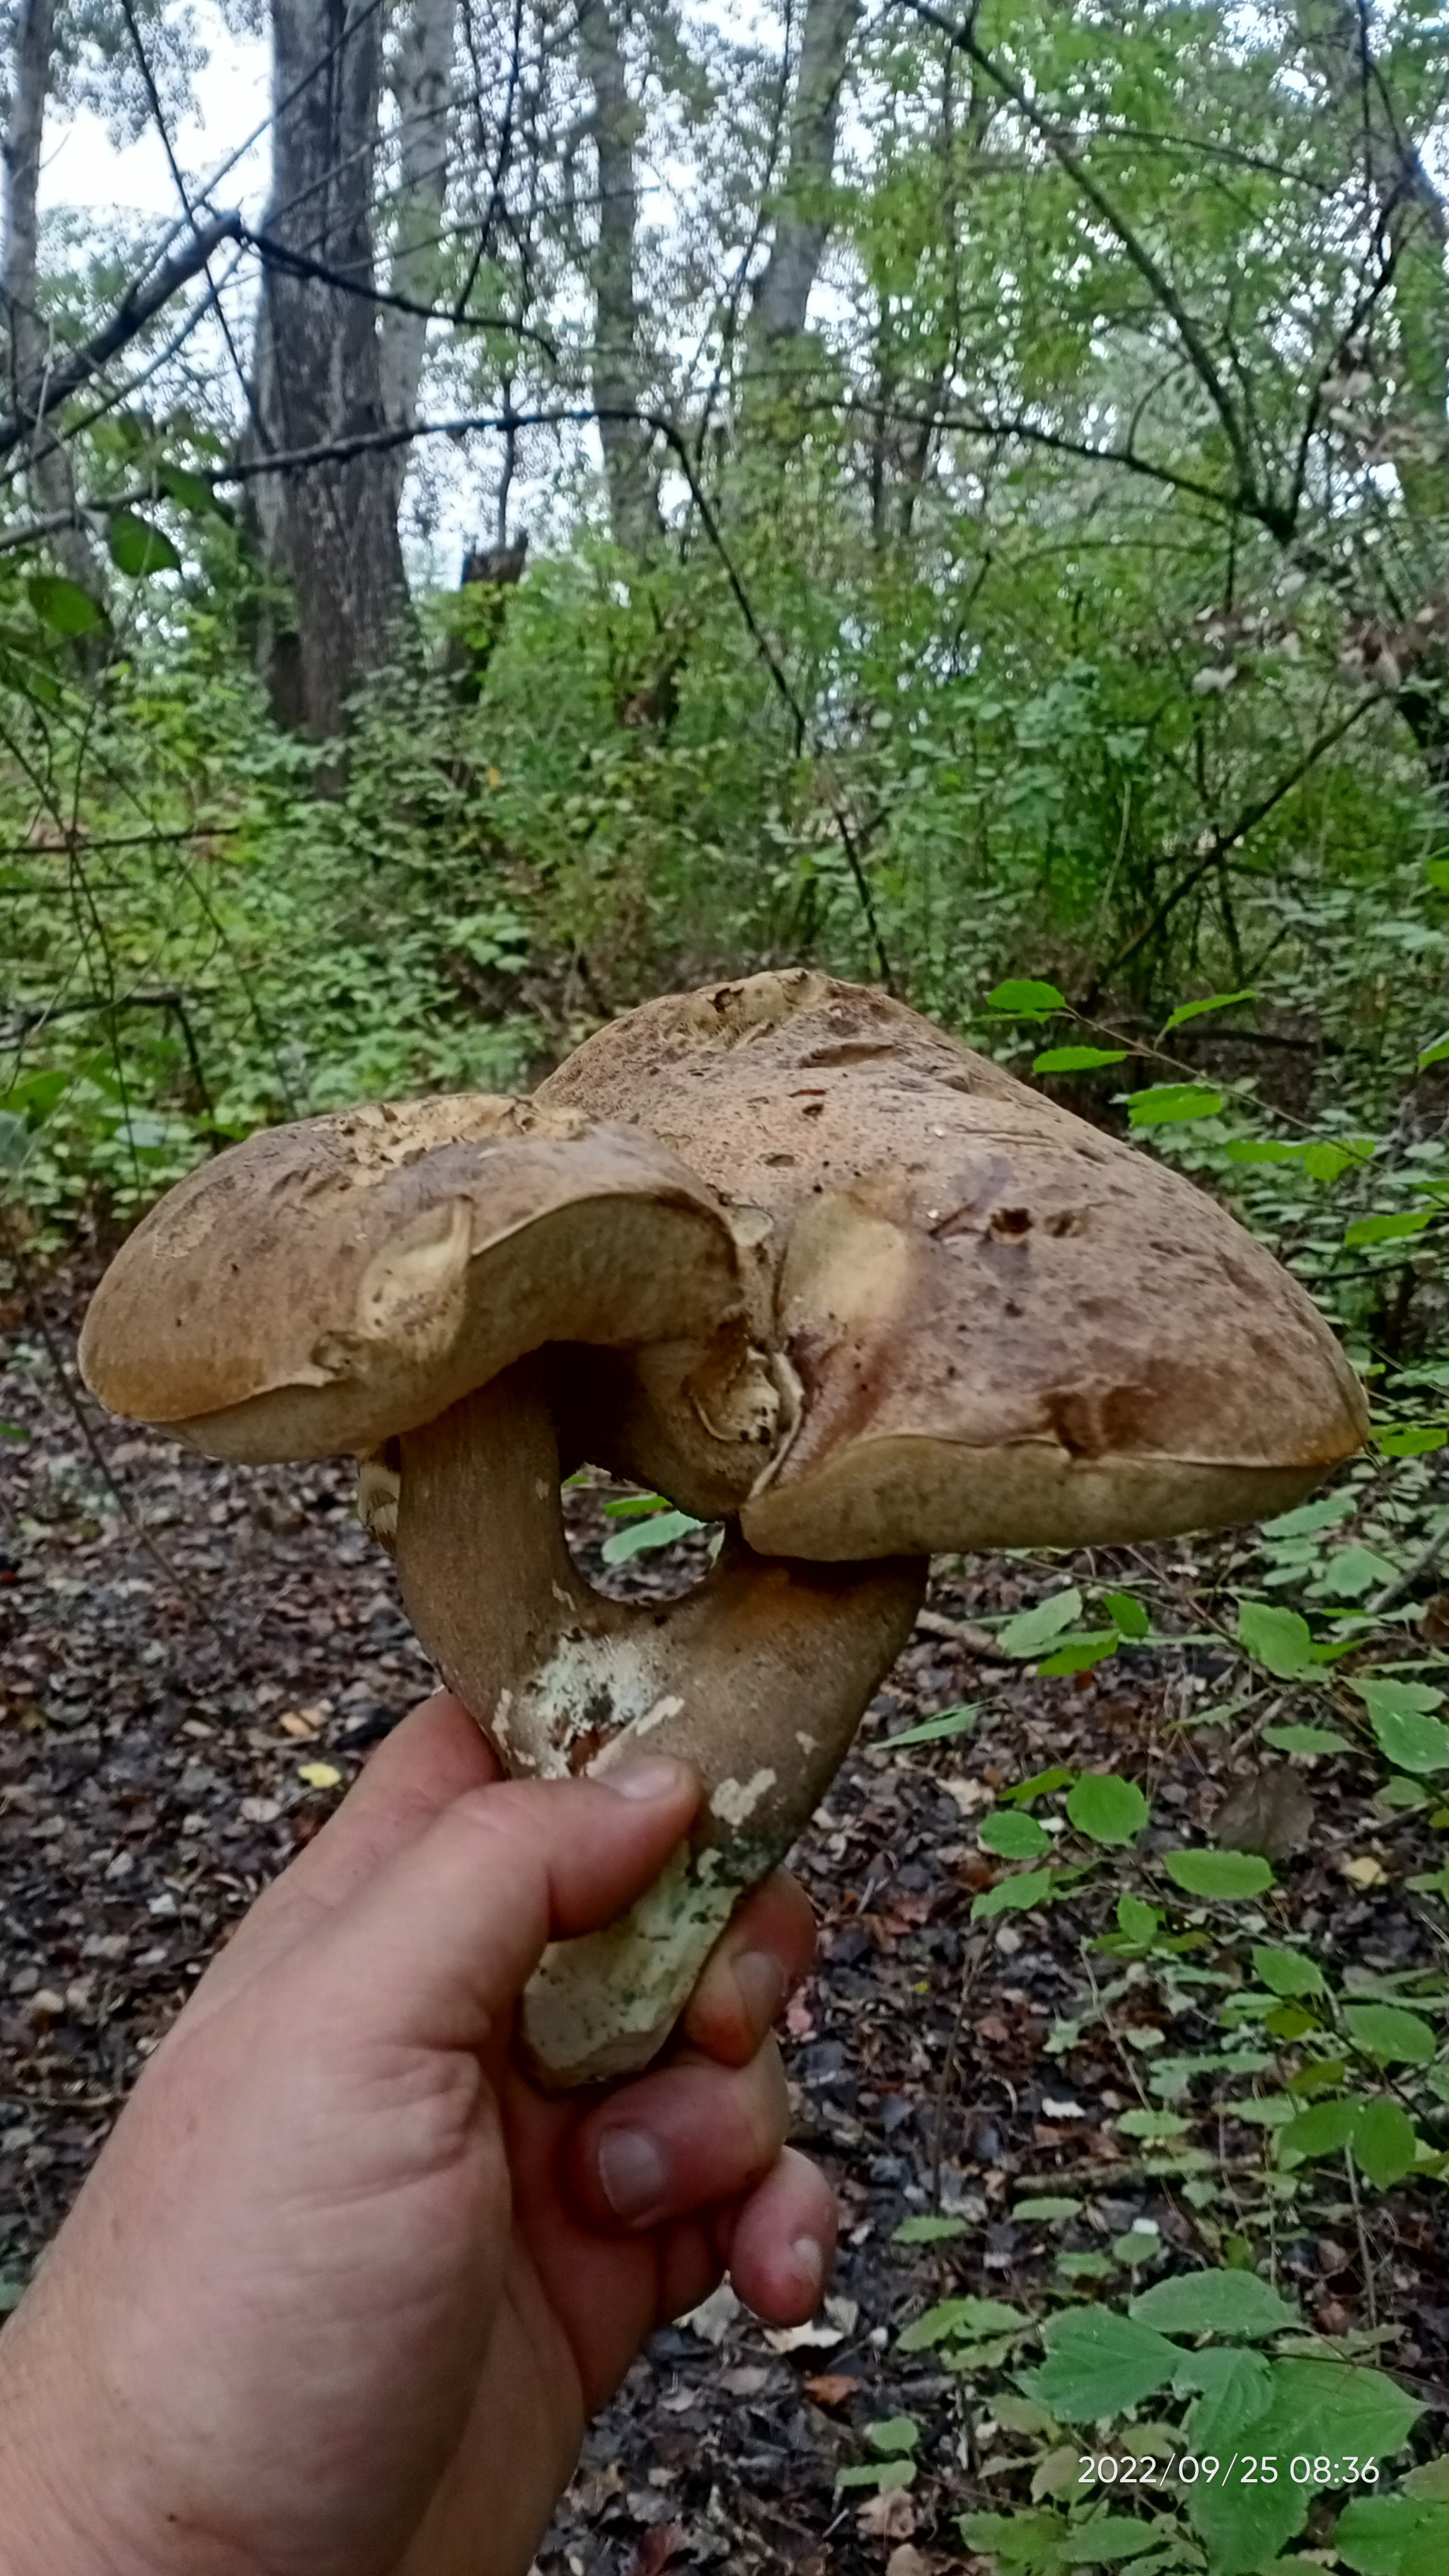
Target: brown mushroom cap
326	1286
1007	1328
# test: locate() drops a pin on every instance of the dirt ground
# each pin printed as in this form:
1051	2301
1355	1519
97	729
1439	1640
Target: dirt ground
178	1639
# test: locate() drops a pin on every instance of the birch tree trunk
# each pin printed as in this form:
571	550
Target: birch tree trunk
803	218
422	88
618	373
329	529
52	484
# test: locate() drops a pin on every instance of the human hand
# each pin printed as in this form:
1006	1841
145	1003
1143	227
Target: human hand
344	2287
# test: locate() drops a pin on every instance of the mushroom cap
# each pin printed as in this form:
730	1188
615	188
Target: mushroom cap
1007	1328
326	1286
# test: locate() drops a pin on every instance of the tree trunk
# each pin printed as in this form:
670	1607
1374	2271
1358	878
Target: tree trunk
803	220
619	386
422	88
329	530
52	484
1408	657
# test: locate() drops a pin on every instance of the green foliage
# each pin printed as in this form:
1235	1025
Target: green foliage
1225	1877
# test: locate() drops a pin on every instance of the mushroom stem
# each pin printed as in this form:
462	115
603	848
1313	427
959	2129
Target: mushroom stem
758	1678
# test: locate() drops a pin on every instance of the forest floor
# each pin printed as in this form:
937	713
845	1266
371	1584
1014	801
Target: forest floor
179	1639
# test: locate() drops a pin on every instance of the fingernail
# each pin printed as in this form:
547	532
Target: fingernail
809	2256
632	2173
656	1776
761	1981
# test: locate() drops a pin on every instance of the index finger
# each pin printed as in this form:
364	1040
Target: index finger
433	1757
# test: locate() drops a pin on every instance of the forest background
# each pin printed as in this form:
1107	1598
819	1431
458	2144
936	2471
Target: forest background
957	501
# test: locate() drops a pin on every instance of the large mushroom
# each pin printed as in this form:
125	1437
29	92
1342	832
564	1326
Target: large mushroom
789	1254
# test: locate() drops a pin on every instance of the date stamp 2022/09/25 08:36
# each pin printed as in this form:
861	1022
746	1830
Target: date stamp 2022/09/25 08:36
1245	2468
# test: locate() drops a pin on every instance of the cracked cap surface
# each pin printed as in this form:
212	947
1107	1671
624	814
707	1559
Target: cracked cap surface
323	1287
1007	1328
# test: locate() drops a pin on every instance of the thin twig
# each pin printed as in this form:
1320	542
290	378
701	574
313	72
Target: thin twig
973	1961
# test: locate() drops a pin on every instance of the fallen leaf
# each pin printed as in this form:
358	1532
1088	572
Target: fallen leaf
747	2380
714	2316
799	2019
292	1722
907	2561
811	2338
260	1811
1270	1812
1365	1871
891	2516
657	2547
830	2387
320	1775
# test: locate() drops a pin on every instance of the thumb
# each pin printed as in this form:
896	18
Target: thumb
438	1948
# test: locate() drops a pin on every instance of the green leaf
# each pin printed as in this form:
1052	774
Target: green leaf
1106	2541
1015	1836
1437	872
1260	1149
1079	1654
936	1730
191	492
1040	1785
923	2230
1244	2527
1214	2302
1023	998
1393	2535
957	2320
1438	1053
1129	1613
1330	2407
1233	2387
1051	2206
1031	1632
880	2474
1384	2143
1013	1895
1305	1739
63	606
1098	2362
1323	2130
1399	1713
137	548
1152	2124
1430	2481
1014	2539
1077	1059
1306	1519
1168	1104
1214	1002
1327	1158
1390	2033
1227	1877
1106	1809
1287	1972
1412	1440
893	2434
1280	1640
1387	1229
1138	1922
659	1531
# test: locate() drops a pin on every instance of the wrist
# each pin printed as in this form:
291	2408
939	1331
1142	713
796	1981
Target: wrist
73	2474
